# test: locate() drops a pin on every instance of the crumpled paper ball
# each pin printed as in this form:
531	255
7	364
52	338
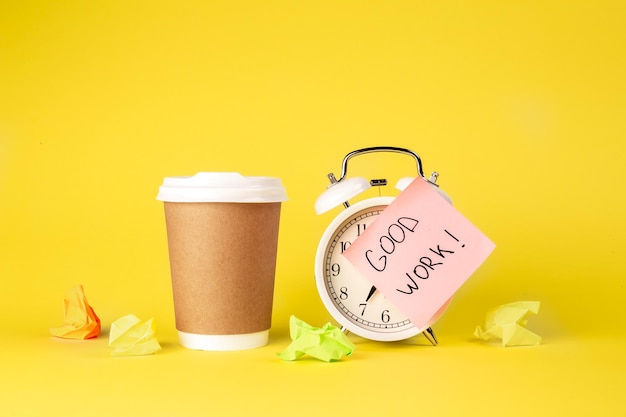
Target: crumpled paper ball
129	336
327	343
508	322
80	320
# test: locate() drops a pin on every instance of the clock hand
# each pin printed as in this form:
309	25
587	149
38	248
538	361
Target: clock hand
372	291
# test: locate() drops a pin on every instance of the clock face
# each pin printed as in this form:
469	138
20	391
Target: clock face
349	297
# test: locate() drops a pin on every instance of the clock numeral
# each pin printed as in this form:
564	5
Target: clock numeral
335	269
343	293
344	245
360	228
363	305
385	316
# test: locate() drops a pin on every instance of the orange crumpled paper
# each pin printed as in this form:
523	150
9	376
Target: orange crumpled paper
81	321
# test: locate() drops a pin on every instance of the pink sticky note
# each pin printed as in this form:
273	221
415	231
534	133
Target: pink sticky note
419	251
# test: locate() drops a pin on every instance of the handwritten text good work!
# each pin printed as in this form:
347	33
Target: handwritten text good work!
396	235
419	251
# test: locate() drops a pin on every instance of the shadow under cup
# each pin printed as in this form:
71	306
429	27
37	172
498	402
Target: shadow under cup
222	257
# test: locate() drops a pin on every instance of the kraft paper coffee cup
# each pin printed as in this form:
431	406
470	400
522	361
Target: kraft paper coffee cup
222	233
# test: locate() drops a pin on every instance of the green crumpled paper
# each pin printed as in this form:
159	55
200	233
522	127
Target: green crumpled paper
327	343
130	336
507	322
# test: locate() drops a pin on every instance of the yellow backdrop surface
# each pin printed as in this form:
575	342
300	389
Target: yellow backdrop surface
520	106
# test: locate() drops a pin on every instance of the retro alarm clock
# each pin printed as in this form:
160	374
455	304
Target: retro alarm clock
348	296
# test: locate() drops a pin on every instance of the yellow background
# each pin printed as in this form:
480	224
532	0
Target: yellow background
519	105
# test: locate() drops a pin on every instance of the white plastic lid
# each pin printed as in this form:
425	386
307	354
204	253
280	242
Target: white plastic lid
221	187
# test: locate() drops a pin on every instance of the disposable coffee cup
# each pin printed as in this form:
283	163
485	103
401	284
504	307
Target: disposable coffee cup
222	233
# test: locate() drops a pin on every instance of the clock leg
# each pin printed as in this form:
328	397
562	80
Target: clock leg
430	335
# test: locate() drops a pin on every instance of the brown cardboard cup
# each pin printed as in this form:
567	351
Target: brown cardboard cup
222	232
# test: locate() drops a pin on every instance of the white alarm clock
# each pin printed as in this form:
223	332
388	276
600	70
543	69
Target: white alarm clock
349	297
